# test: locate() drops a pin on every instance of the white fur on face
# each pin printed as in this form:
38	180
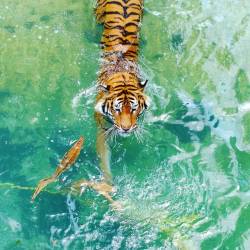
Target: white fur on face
117	105
147	100
99	105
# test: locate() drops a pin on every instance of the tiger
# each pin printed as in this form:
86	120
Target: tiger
120	99
120	96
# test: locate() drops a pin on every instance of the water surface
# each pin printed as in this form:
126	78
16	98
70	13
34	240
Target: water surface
187	185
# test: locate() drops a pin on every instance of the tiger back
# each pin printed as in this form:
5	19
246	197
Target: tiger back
121	21
120	98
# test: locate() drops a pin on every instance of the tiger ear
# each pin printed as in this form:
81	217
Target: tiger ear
103	88
143	84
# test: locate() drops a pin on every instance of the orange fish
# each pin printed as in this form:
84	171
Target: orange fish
68	159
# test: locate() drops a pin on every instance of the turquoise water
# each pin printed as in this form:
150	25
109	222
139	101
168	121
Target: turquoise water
187	185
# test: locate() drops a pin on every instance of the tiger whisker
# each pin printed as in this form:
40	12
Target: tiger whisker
108	132
141	136
138	135
144	130
113	134
144	133
135	134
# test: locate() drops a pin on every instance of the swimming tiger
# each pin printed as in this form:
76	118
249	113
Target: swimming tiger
120	99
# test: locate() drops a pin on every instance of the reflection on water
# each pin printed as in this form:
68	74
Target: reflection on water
187	187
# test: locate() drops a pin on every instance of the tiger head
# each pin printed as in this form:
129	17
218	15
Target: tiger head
122	105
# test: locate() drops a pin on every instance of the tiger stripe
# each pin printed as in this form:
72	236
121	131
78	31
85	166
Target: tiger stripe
121	21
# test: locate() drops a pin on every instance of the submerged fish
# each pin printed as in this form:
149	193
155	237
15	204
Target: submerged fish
68	159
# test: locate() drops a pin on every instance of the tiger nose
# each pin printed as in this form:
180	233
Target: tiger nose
125	129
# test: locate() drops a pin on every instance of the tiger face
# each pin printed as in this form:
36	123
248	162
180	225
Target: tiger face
122	106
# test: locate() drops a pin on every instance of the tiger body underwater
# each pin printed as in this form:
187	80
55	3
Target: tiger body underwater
120	99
